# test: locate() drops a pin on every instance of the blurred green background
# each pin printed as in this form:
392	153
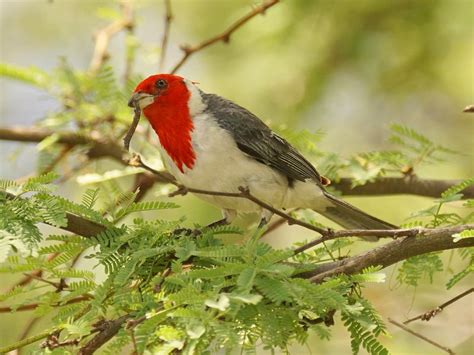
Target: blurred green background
348	68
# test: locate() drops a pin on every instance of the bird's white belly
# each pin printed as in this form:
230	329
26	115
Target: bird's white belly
221	166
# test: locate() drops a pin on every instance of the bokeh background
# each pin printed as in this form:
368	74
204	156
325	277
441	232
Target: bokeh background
347	68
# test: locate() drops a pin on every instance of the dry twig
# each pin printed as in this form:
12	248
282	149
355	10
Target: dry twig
430	314
104	35
418	335
166	34
224	36
32	306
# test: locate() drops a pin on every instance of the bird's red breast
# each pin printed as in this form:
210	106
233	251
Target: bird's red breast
170	118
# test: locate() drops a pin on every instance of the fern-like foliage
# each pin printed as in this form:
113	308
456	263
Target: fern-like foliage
415	268
232	294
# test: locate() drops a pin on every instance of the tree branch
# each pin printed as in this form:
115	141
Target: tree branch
400	249
224	36
107	331
98	147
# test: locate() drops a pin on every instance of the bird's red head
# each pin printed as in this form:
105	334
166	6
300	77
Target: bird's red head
166	89
164	99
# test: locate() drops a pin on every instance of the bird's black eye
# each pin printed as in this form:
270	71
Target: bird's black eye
161	84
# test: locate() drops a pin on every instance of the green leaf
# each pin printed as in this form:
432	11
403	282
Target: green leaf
245	280
249	299
369	275
37	183
273	289
454	190
90	198
468	233
30	75
144	206
221	304
460	275
48	142
417	267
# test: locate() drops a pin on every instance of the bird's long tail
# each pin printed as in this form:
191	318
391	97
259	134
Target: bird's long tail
350	217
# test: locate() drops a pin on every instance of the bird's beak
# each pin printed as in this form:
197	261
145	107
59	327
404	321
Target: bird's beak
139	98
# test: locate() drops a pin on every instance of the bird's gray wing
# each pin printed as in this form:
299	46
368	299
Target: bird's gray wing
258	141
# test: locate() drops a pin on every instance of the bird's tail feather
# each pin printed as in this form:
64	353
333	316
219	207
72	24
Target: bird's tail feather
350	217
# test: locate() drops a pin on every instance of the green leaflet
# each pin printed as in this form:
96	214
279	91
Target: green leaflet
414	269
144	206
31	75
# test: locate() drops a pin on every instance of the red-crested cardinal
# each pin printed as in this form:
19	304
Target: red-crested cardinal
210	143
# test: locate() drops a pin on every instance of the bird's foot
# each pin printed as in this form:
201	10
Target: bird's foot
263	222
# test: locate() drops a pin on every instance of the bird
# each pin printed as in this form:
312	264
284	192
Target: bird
210	143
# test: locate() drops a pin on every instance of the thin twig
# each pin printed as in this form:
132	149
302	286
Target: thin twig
166	34
32	306
224	36
449	351
57	285
274	226
104	35
65	150
129	56
430	314
30	277
29	326
380	233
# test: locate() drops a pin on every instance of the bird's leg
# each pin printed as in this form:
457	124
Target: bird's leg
265	218
263	222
